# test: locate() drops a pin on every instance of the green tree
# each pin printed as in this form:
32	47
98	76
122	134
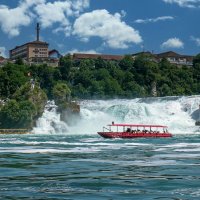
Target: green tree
100	63
66	64
12	77
196	60
35	95
17	115
126	63
61	93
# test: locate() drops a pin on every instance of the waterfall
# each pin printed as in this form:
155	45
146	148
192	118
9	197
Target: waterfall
175	112
50	122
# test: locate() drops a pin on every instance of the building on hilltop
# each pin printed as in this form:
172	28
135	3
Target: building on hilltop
81	56
172	57
35	52
175	58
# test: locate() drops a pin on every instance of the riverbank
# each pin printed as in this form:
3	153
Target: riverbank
15	131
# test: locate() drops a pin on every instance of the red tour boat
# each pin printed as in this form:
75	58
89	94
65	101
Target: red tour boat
134	131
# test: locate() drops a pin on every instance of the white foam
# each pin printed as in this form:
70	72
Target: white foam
49	150
50	122
188	150
180	155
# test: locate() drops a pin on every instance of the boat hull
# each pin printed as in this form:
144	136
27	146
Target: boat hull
134	135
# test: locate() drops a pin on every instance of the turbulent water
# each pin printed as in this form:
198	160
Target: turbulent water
179	113
59	161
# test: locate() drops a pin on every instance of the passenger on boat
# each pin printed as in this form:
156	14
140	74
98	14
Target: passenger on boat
128	130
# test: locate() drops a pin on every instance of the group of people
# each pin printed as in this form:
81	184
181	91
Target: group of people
143	131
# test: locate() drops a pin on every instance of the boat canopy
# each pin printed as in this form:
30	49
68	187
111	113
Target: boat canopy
138	125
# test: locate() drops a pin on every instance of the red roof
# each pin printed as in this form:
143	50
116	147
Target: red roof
2	58
79	56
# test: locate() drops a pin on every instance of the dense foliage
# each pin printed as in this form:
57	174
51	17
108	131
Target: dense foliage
61	95
130	78
96	78
24	107
17	114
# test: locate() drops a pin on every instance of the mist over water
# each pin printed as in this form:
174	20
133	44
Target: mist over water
178	113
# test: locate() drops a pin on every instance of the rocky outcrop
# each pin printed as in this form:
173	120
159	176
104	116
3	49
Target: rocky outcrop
197	123
69	110
196	116
34	94
71	113
24	108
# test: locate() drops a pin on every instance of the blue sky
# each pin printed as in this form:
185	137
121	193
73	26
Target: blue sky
103	26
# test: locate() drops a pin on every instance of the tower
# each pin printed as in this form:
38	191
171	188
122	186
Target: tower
38	31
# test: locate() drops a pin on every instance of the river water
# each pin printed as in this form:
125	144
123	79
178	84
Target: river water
59	161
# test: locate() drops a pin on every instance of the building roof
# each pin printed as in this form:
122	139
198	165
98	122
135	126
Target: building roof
33	43
189	58
168	54
37	42
79	56
172	54
54	51
146	53
2	58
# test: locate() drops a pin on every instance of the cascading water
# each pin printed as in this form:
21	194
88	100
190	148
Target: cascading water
175	112
50	121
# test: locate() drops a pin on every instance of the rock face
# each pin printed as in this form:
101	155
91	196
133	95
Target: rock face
197	123
69	110
71	113
196	116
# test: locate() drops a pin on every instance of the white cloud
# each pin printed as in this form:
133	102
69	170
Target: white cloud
123	13
59	12
100	23
50	13
173	43
185	3
91	51
80	5
29	3
3	51
11	19
66	30
196	40
162	18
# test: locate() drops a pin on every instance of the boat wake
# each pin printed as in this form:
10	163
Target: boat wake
178	113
